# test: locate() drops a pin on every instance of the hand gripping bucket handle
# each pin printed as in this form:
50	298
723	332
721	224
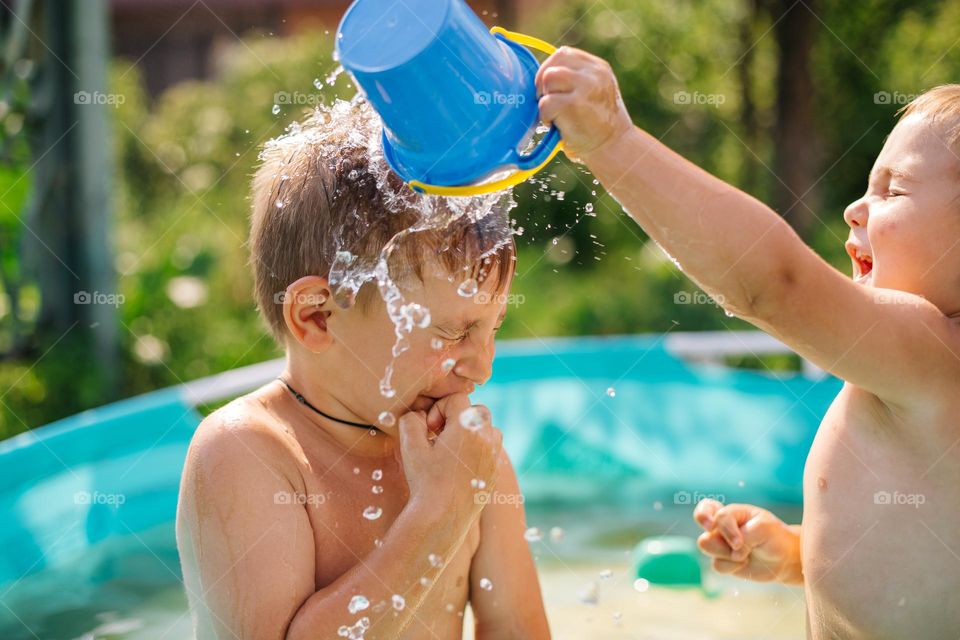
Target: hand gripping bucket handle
528	164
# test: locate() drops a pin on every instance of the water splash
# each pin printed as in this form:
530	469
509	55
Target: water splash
357	603
533	534
347	129
355	632
473	418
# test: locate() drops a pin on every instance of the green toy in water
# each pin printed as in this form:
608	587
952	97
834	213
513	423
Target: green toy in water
669	561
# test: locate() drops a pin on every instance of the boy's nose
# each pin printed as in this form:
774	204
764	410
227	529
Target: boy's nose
476	367
856	213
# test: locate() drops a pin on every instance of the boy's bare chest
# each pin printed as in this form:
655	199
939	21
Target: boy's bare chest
875	505
352	517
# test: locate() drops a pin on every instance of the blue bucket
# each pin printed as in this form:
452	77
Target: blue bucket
458	103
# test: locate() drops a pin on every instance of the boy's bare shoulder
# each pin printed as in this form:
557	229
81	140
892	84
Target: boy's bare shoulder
241	435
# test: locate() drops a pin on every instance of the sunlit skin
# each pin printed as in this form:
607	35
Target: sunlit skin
268	570
878	552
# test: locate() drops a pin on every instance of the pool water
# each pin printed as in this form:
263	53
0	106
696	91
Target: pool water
138	594
87	504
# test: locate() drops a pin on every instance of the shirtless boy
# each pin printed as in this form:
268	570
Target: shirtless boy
878	552
325	518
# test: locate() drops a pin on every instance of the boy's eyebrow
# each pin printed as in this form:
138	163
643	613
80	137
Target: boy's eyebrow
893	172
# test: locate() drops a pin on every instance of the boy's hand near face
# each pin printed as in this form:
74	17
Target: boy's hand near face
749	542
444	475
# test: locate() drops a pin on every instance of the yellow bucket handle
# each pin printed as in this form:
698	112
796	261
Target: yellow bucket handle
515	178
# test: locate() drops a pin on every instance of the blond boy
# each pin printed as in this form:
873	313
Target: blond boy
878	552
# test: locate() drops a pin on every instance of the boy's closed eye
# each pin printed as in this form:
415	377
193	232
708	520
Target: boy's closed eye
458	334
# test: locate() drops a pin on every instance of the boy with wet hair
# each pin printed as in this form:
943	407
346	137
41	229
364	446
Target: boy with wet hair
878	552
318	506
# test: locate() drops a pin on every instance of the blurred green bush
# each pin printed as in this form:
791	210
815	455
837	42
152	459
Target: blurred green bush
184	163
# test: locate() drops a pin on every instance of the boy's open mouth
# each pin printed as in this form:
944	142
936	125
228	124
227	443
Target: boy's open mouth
862	261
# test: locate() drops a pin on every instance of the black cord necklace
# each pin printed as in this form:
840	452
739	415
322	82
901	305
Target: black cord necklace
306	403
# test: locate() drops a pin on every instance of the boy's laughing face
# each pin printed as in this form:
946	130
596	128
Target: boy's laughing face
905	231
453	354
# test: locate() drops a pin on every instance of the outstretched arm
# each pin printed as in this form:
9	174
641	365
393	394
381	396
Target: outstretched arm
743	253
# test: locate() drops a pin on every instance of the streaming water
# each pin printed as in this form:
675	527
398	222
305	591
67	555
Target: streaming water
354	127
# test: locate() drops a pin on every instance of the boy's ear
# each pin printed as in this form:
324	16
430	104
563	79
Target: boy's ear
307	306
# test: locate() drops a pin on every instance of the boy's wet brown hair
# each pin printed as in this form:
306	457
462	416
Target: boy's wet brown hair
316	193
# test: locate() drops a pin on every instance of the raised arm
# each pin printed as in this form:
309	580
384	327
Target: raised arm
743	253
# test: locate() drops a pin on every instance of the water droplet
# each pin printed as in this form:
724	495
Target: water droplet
276	109
378	543
611	392
436	344
280	204
556	534
356	471
485	584
617	617
468	288
377	489
473	418
419	315
729	314
357	603
372	513
387	419
477	483
357	631
435	560
377	474
606	574
641	585
448	364
317	84
425	581
398	602
449	608
589	594
533	534
589	207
